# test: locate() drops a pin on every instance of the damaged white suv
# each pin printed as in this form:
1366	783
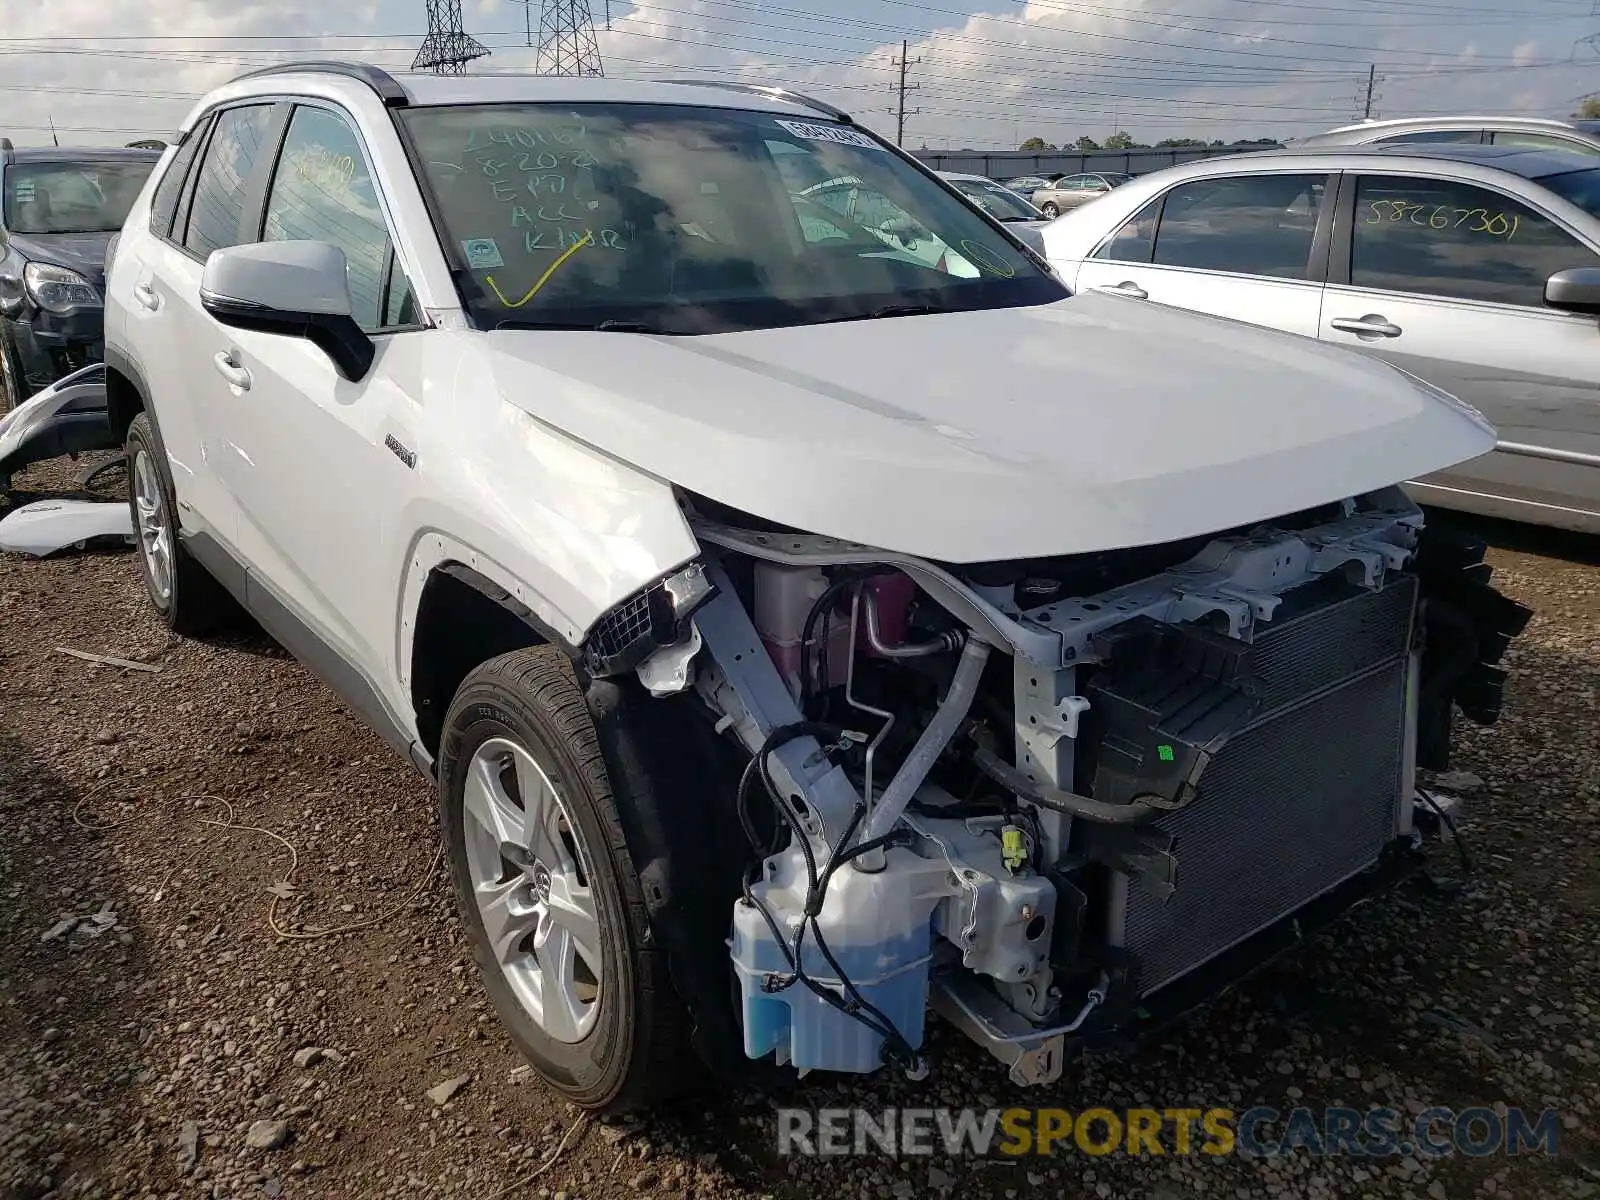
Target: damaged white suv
792	651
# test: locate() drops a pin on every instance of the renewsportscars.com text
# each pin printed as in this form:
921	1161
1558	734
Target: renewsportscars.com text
1260	1132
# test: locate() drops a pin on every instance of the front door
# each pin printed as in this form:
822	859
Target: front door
316	474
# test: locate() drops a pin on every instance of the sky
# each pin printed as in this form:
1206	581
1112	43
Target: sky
986	74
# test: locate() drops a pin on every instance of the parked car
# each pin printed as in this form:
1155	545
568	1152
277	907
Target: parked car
1528	133
1002	204
759	603
1074	191
1476	267
1027	185
58	210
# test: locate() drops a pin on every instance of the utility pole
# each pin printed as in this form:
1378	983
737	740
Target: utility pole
1367	99
904	63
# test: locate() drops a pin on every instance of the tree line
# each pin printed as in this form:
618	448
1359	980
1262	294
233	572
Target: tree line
1125	141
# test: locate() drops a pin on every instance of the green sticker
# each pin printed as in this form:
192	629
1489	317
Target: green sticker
1165	753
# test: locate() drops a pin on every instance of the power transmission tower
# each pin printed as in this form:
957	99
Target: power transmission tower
904	62
1367	96
448	48
566	41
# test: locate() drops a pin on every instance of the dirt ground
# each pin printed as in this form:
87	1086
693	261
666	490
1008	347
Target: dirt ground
221	904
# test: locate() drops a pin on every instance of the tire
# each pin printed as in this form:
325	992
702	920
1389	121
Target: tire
188	598
1049	209
518	732
13	384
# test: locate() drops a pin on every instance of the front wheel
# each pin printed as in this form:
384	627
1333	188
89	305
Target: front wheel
548	889
1049	209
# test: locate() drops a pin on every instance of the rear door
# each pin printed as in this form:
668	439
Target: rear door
1446	279
1250	247
165	321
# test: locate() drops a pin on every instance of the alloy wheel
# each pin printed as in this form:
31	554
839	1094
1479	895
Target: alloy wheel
530	882
155	532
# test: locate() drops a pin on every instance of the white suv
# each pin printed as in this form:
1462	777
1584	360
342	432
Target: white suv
799	629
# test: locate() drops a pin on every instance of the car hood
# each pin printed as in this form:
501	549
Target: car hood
84	253
1089	424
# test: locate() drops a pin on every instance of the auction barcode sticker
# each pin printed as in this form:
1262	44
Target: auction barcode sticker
830	133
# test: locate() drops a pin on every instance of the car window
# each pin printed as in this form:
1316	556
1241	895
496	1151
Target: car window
217	208
697	220
1136	239
322	192
1072	183
164	204
1543	141
58	196
1000	203
1470	136
1439	237
1247	224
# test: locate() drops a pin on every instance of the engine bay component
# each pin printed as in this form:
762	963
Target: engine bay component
1048	811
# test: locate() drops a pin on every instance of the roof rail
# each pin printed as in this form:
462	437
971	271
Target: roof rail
379	80
775	93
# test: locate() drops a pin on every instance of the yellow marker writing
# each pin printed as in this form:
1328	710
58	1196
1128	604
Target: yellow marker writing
586	240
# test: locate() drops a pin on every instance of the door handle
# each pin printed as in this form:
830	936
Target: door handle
1127	288
230	370
146	296
1368	327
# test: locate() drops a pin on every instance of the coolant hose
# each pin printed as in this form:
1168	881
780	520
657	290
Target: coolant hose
932	743
1070	803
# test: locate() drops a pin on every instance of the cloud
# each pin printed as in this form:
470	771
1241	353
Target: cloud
985	71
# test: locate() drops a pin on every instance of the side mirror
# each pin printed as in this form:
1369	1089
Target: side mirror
1577	289
296	289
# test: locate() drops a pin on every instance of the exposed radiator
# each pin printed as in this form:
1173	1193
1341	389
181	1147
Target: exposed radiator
1304	797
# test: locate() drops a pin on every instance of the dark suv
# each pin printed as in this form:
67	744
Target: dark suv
59	209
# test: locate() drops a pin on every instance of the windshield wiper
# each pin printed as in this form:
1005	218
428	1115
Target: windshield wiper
626	327
887	310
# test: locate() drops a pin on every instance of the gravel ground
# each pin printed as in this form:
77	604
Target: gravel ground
157	1037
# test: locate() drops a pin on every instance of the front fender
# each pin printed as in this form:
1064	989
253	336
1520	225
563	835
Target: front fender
564	529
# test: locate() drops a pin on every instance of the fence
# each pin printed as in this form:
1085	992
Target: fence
1008	164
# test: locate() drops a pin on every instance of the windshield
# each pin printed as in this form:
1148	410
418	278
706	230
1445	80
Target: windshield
654	218
1001	203
1115	179
1580	187
81	197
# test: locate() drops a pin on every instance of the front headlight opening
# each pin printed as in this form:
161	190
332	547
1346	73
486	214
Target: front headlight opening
58	290
646	621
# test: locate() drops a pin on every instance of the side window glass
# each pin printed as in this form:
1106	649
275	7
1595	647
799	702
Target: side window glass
1249	225
1443	238
1134	241
323	192
217	209
164	204
1470	136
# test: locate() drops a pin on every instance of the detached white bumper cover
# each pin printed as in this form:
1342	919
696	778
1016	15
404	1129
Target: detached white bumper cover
51	525
68	416
1095	423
